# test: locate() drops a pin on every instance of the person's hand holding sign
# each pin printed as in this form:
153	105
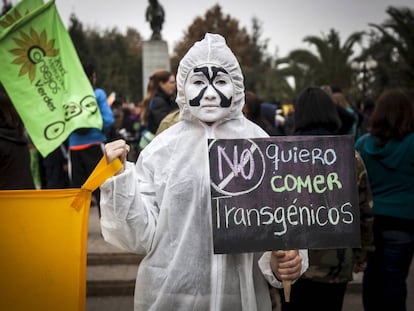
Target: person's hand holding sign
286	266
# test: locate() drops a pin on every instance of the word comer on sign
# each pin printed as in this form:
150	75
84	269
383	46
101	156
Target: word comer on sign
283	193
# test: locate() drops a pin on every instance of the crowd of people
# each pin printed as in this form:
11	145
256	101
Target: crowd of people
158	204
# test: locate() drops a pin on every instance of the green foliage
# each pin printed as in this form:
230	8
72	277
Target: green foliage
330	64
392	45
215	21
117	58
249	48
77	33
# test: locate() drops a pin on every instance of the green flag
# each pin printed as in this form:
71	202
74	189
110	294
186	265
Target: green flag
15	13
44	78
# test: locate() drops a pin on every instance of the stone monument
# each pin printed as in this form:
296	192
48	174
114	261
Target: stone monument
155	51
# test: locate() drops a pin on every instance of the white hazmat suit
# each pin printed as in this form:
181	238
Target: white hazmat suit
161	208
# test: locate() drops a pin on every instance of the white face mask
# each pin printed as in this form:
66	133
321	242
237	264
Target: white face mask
209	90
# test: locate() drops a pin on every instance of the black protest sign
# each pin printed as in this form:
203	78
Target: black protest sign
284	192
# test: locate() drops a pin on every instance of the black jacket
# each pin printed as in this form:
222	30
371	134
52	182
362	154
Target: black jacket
160	105
15	170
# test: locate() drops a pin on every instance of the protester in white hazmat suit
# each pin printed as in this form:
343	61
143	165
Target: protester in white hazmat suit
161	207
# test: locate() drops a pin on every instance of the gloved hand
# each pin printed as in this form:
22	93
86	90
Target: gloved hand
117	149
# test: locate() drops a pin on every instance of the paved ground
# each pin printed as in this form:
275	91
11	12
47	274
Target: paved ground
352	302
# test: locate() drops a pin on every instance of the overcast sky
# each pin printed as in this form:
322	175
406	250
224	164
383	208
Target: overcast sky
285	23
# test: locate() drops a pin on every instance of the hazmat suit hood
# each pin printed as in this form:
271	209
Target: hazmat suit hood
212	50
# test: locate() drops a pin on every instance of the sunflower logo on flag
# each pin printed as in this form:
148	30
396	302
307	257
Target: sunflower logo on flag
10	19
32	48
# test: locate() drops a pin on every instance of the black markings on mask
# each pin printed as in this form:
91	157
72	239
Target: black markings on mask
224	101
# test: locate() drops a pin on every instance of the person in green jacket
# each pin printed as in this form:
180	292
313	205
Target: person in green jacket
388	153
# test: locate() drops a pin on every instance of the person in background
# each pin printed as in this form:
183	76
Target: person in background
86	144
15	171
161	207
340	99
117	129
388	152
35	165
55	168
347	118
132	124
158	103
132	121
169	120
366	107
252	111
323	285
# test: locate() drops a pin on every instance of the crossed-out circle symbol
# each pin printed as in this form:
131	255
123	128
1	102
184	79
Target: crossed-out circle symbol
225	185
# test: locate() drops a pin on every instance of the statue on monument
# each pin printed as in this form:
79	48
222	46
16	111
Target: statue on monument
155	16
